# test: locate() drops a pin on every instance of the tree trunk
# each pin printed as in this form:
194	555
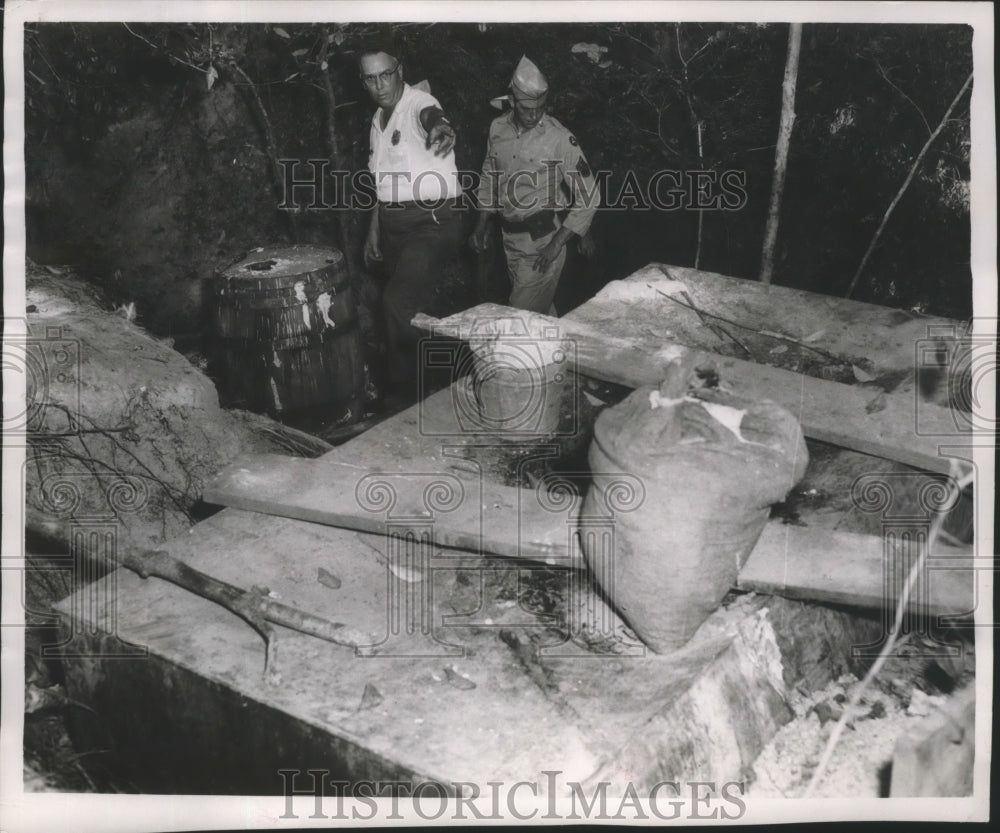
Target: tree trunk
345	216
271	146
781	153
696	125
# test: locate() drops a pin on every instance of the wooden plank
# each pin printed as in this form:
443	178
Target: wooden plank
828	565
887	338
845	415
801	562
407	453
460	512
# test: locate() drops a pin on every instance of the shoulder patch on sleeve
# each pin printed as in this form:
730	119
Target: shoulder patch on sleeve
572	140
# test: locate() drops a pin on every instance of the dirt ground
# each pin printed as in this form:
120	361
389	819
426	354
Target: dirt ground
909	688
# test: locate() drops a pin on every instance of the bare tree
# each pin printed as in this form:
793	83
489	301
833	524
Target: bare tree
906	183
346	225
781	153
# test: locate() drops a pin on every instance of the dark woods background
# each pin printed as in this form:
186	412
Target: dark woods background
151	148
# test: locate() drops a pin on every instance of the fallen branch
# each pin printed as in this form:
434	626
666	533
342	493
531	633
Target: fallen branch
297	442
906	184
176	495
253	606
716	328
47	435
526	653
769	333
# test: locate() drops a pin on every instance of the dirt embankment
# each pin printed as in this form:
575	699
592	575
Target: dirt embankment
165	196
122	430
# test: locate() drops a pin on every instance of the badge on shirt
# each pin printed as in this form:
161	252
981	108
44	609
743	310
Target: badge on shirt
395	137
572	140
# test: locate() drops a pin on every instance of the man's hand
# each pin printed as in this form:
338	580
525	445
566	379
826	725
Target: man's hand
441	134
551	250
548	254
588	248
373	249
439	130
480	237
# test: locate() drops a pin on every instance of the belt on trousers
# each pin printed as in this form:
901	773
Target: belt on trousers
421	204
537	225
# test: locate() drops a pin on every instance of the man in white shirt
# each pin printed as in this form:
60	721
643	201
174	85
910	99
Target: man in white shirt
417	226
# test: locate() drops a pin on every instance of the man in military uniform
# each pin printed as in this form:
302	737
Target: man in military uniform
537	179
417	225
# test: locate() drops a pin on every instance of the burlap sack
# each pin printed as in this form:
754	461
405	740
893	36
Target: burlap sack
709	472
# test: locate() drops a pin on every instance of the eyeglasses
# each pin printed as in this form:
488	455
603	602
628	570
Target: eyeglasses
372	80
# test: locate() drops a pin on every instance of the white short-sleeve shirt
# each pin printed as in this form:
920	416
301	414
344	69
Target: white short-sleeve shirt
404	168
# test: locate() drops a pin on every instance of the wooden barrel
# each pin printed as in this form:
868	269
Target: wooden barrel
289	339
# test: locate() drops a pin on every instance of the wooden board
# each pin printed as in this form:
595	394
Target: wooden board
803	562
850	416
886	340
826	565
457	511
704	712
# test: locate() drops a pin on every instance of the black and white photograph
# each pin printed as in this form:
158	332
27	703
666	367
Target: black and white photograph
464	412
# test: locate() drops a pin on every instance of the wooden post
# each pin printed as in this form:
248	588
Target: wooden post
781	153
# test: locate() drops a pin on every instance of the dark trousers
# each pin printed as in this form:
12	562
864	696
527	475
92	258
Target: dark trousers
417	243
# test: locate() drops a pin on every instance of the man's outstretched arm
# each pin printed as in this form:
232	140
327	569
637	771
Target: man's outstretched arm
439	130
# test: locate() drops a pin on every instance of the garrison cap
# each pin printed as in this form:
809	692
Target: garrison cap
528	82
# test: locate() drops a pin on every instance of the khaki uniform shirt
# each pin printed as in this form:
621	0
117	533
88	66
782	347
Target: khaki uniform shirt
524	172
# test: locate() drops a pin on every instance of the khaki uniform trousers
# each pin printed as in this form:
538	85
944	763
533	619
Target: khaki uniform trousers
529	289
